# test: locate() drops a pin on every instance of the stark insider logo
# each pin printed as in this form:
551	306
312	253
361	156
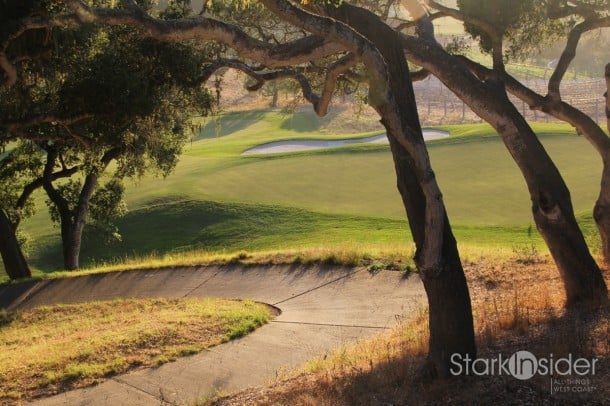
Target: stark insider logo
522	365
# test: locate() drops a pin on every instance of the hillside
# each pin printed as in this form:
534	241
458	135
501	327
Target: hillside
220	201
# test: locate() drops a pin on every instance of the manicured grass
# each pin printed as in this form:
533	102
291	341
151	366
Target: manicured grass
55	348
219	202
172	230
232	133
480	182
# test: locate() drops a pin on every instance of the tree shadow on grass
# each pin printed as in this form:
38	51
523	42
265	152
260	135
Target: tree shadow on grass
307	121
228	123
183	226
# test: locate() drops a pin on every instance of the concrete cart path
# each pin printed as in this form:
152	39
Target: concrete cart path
322	308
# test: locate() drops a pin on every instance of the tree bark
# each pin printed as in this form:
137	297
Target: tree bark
601	212
584	124
73	224
551	203
73	221
71	228
70	242
450	313
607	95
275	93
14	261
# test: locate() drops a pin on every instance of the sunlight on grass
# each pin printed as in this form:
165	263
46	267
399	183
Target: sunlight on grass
375	257
61	347
392	256
218	204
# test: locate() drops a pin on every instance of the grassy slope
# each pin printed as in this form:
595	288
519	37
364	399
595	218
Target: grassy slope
220	201
55	348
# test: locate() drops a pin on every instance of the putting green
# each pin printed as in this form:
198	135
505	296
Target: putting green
218	200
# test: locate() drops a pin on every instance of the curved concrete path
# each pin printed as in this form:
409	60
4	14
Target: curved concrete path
322	308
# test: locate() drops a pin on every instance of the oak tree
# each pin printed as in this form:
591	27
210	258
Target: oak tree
102	98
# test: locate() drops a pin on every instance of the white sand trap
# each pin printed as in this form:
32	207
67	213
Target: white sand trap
305	145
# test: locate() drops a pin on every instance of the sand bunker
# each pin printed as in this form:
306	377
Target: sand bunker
305	145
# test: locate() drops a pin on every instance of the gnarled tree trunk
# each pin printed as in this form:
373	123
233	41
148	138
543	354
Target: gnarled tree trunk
607	95
73	224
73	221
551	203
584	124
15	264
450	313
71	237
601	212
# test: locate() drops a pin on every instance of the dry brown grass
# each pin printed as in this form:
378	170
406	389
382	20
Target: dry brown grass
518	305
50	349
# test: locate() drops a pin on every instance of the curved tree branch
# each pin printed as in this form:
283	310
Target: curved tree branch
607	95
320	102
89	185
37	183
10	71
272	56
18	128
110	155
334	70
413	24
419	75
584	124
262	77
569	53
340	33
7	65
494	35
47	182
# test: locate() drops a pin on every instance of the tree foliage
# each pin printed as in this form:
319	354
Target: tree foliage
116	98
106	205
527	26
21	165
524	23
